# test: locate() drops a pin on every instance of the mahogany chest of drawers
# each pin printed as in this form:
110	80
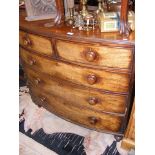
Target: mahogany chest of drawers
86	78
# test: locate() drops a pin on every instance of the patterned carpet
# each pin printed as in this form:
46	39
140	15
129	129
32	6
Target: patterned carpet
50	135
28	146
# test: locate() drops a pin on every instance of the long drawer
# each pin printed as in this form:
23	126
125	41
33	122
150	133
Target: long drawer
87	118
93	78
75	95
39	44
95	54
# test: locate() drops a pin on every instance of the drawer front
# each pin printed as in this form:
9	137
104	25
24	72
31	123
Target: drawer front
100	79
87	118
95	55
39	44
76	95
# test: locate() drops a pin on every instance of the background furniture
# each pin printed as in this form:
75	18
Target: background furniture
128	141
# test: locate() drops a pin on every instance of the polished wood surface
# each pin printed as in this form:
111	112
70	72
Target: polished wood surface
108	81
79	96
124	26
94	54
60	12
128	141
37	43
86	78
82	116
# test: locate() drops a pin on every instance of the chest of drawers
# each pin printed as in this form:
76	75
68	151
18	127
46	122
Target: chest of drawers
84	79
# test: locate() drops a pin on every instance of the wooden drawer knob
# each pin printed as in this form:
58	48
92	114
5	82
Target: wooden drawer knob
93	120
37	81
93	100
32	62
90	55
91	79
27	41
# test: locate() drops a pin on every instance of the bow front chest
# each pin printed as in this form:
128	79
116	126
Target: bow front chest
86	78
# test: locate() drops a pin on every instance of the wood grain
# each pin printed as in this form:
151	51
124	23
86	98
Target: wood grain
128	141
108	81
124	26
37	43
105	56
77	115
86	78
76	95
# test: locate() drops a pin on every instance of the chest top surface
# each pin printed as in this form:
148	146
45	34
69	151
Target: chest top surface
37	27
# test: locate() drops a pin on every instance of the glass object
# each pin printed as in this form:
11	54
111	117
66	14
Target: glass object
89	20
79	22
70	21
70	5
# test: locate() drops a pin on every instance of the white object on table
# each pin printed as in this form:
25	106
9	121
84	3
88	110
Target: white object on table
87	21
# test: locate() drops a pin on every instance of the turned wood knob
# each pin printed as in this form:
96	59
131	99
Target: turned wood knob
92	100
93	120
27	41
90	55
91	79
42	99
32	62
37	81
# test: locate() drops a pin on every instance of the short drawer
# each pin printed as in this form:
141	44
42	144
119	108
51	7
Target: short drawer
99	79
39	44
95	54
76	95
86	118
